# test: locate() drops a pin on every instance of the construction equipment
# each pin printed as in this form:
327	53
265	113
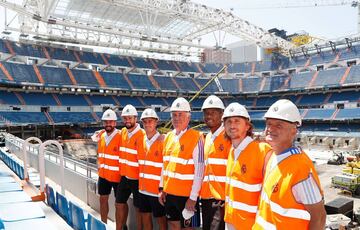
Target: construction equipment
347	182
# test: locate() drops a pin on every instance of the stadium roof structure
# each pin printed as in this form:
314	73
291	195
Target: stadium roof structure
164	26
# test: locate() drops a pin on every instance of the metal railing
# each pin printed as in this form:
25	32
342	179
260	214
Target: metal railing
86	169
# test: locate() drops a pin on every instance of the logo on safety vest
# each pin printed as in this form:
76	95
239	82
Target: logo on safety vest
156	153
275	188
182	147
187	223
115	149
221	147
243	169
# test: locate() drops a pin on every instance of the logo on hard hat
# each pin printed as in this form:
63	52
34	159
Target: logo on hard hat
232	109
128	110
146	114
276	109
211	102
178	105
108	114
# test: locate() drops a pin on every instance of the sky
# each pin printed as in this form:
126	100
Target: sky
325	22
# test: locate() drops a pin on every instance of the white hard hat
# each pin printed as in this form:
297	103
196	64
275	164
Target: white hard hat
284	110
109	115
236	110
213	102
129	110
149	113
180	104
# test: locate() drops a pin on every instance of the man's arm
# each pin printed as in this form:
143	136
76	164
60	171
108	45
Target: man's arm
198	157
317	215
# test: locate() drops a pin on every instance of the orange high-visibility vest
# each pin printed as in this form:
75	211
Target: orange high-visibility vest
150	165
129	153
108	157
178	174
216	155
278	208
243	184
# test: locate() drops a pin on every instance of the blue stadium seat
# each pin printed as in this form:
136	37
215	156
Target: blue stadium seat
85	77
21	72
142	63
211	67
186	84
329	77
78	217
211	88
230	85
117	60
239	67
71	117
354	75
75	100
95	224
8	98
61	54
251	84
165	65
88	57
319	114
98	100
63	207
115	80
51	198
274	83
300	80
38	99
353	113
187	67
25	117
141	82
54	75
165	83
312	99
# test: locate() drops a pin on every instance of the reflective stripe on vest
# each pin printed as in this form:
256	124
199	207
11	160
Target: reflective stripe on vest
241	206
150	164
178	173
216	152
178	160
288	212
112	168
244	183
108	157
129	152
278	207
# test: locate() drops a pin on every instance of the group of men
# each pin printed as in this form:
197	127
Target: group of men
240	182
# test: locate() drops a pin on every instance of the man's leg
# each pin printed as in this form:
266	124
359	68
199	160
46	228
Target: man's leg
104	207
162	222
121	212
121	208
146	220
104	190
174	225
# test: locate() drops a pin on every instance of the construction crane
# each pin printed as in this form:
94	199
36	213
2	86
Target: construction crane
303	3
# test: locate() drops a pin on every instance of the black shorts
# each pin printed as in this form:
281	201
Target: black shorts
125	188
151	204
174	206
212	212
105	186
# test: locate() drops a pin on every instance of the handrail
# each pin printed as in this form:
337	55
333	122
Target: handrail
87	170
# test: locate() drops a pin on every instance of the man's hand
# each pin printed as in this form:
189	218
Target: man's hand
190	205
162	198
